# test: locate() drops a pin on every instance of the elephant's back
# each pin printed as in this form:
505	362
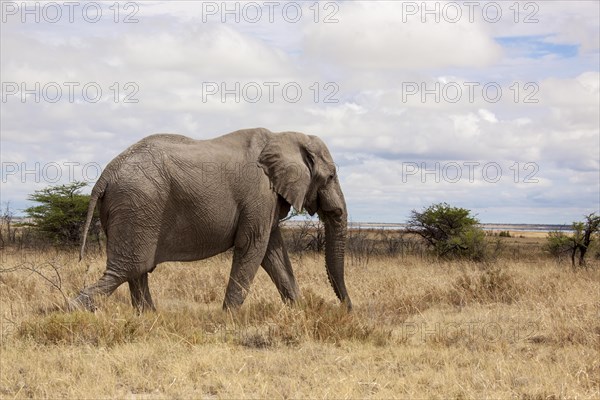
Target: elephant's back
165	139
146	151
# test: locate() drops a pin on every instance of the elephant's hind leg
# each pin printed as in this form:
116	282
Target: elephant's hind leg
140	293
105	286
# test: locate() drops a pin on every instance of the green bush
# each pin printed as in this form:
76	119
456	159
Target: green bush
472	244
450	231
557	243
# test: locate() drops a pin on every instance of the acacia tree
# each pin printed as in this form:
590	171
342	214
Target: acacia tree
61	214
449	231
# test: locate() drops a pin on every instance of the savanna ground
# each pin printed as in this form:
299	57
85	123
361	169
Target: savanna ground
522	326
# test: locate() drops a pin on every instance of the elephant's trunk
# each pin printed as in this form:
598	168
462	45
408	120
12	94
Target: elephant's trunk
336	227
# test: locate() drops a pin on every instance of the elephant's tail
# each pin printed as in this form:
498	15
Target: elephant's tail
97	193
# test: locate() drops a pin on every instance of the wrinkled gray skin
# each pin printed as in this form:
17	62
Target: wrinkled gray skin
172	198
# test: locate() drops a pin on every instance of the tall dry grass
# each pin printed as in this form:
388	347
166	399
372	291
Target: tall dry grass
523	327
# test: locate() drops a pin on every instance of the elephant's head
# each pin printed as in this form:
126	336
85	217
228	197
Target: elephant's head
302	171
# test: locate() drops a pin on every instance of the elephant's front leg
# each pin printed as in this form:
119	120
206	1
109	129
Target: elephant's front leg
277	264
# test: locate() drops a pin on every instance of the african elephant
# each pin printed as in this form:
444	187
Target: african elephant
172	198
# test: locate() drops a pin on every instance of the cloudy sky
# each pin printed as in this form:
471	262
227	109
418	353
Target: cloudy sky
491	106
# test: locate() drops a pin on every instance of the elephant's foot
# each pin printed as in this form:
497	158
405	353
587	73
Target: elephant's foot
348	304
81	302
290	293
144	306
231	304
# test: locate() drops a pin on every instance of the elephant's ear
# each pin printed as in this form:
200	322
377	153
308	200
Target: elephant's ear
287	160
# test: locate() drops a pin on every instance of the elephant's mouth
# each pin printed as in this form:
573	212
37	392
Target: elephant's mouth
312	204
333	211
311	209
336	213
320	206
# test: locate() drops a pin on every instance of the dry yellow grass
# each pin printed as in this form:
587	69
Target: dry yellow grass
514	328
529	234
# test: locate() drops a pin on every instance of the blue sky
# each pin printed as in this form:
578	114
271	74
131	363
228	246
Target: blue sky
489	113
536	46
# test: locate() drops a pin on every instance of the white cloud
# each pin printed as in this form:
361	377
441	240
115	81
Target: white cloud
466	126
371	35
487	115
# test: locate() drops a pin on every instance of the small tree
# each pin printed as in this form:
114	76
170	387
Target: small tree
558	243
586	231
449	231
61	213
